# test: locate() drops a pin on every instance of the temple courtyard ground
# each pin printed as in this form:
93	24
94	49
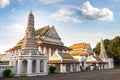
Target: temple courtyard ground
113	74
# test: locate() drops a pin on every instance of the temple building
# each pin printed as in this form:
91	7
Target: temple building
64	62
85	55
48	41
81	51
39	46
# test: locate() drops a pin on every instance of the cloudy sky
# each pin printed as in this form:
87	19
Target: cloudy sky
76	21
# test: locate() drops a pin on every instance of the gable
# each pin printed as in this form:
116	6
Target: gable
89	49
91	58
53	33
55	56
52	37
65	55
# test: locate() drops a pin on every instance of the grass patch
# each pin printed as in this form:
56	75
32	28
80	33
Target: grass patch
116	67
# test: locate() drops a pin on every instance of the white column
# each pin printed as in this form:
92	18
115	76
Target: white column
56	50
71	68
14	64
63	50
29	67
61	68
40	49
44	50
102	66
64	68
49	52
38	66
45	65
77	66
99	66
19	67
10	62
109	63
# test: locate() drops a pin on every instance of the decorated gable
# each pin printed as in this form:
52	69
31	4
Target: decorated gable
52	37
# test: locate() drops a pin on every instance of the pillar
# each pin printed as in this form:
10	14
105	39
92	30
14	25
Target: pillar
63	50
45	66
19	67
10	62
77	67
44	51
56	50
38	66
14	64
64	67
40	49
29	67
102	66
49	52
61	67
71	68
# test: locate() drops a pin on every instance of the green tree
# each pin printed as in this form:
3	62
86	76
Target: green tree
52	69
97	48
114	48
7	72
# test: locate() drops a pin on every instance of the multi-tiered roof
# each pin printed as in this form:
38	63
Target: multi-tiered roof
81	49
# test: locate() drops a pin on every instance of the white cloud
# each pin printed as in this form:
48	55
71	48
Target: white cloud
87	11
64	15
50	1
4	3
11	35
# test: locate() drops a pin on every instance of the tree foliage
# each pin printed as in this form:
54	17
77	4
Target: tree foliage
7	72
114	46
97	48
52	69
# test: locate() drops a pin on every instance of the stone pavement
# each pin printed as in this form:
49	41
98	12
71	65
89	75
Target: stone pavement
113	74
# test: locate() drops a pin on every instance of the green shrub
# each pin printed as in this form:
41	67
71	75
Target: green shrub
7	72
52	69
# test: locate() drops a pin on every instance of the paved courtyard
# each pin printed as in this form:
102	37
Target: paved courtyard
113	74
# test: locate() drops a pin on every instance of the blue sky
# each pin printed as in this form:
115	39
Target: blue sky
76	21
